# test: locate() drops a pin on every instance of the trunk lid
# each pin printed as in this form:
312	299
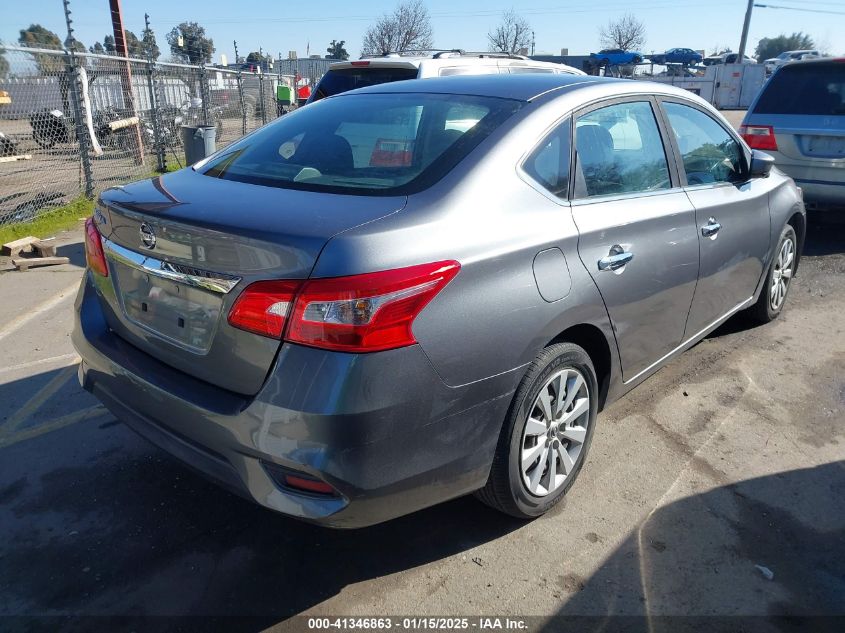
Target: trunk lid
182	247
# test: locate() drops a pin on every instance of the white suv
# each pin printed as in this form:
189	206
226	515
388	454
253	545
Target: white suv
789	56
369	71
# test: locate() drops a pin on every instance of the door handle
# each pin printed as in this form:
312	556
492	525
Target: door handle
711	228
616	259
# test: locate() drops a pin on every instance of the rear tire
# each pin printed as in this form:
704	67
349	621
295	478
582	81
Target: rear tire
546	435
772	297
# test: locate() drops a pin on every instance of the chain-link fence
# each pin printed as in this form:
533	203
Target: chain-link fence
76	123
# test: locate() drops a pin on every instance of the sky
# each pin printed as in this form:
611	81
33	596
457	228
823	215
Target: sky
280	26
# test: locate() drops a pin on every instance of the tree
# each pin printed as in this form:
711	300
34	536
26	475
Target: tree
627	33
407	28
256	57
337	51
195	48
36	36
770	47
97	48
148	40
512	34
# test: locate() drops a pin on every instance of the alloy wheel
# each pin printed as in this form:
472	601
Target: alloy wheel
555	432
782	273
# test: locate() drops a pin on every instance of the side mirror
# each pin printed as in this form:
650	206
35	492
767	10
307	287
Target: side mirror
761	164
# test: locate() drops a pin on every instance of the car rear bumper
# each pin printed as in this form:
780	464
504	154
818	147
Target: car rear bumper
382	429
821	185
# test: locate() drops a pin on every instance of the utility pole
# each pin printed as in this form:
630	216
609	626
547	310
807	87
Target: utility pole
744	39
126	76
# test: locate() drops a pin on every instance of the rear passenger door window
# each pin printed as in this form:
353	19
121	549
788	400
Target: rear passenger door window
709	153
548	164
619	150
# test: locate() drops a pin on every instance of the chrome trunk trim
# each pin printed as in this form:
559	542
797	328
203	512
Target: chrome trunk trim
214	282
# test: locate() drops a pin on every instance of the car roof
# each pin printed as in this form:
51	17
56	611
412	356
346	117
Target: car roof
447	58
522	87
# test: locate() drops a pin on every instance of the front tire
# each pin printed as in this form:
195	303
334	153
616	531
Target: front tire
546	435
781	271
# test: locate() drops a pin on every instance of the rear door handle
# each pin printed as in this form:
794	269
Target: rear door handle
616	259
711	228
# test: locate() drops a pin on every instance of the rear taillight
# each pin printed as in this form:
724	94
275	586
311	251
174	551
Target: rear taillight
759	137
366	313
94	254
264	306
359	313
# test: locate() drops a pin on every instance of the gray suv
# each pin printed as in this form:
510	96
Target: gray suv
799	119
419	290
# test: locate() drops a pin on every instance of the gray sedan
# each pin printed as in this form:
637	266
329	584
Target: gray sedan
424	289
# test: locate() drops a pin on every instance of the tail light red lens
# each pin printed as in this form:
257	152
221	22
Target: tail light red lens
359	313
263	307
759	137
366	313
94	254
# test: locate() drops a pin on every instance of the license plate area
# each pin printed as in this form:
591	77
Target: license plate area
824	146
181	314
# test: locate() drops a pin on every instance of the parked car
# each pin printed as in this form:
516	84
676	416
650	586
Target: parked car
733	58
348	75
616	57
799	118
685	56
409	292
774	63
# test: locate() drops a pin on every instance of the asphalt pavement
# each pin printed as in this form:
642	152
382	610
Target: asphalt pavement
715	489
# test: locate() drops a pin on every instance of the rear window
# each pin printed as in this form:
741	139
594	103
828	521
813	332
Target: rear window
369	144
805	89
344	79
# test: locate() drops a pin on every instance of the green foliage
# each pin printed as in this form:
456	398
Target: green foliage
255	57
195	48
49	223
337	51
134	46
36	36
770	47
148	40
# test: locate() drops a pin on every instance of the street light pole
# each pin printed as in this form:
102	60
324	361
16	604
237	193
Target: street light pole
744	39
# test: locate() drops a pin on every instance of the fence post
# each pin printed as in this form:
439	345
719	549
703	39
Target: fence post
73	80
261	96
204	94
155	115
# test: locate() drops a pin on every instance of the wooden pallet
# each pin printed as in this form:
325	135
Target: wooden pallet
25	263
11	159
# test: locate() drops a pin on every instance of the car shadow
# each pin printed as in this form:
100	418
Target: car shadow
75	252
764	554
96	521
825	233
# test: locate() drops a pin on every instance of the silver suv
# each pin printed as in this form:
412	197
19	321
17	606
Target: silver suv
799	118
349	75
423	289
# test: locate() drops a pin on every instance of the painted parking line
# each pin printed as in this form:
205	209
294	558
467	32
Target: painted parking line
63	360
94	411
15	324
35	402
